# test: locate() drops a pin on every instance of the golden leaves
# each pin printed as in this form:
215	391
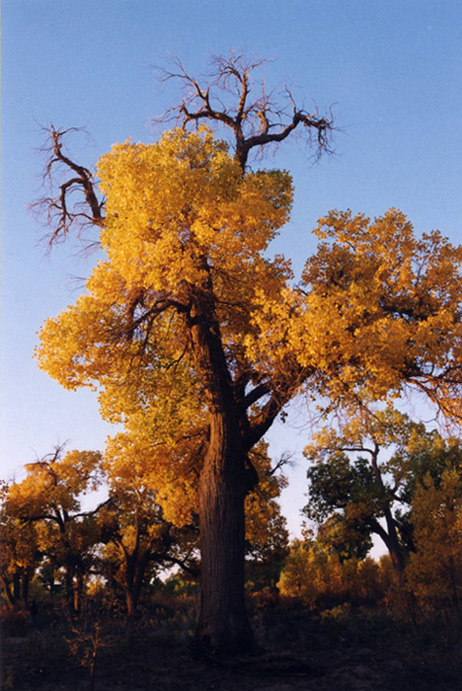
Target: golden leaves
387	302
376	306
185	198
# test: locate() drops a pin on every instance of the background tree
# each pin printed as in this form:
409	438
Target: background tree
189	305
265	526
435	568
303	573
50	497
19	556
344	536
313	576
365	476
267	538
138	542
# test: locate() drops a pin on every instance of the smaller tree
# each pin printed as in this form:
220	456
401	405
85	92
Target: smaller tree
138	541
19	555
313	576
267	537
435	569
50	497
361	491
302	575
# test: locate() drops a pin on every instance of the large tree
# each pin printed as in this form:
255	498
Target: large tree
162	331
197	340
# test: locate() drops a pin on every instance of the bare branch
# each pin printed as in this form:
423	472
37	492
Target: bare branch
284	459
281	391
267	119
61	211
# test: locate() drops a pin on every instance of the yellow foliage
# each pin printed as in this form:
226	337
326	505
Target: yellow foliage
311	575
193	216
55	484
434	572
193	202
376	307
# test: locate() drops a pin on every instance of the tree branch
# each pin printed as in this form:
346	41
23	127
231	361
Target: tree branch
254	123
60	215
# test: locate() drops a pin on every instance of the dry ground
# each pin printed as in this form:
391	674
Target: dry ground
339	652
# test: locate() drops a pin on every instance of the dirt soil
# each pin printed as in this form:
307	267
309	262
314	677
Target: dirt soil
302	653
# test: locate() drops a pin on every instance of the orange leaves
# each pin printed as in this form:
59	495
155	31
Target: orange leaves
388	303
49	500
180	219
178	213
55	484
377	308
185	198
435	569
169	468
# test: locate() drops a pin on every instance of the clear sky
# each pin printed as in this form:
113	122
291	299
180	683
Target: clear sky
390	69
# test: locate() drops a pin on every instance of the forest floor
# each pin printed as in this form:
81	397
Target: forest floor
339	650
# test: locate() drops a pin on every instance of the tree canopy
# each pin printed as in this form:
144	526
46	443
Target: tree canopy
196	338
365	476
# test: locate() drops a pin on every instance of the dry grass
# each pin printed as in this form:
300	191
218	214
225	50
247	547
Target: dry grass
330	650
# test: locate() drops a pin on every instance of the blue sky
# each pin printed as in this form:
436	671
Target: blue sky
391	70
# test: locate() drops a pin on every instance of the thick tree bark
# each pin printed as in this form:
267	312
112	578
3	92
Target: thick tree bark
223	626
135	571
390	536
224	482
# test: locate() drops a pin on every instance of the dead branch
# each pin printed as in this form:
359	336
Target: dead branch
60	209
225	98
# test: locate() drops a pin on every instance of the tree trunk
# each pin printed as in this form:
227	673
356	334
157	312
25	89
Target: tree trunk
140	573
135	568
25	587
224	482
130	602
9	595
130	560
390	539
393	545
78	587
224	627
390	536
17	586
69	588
